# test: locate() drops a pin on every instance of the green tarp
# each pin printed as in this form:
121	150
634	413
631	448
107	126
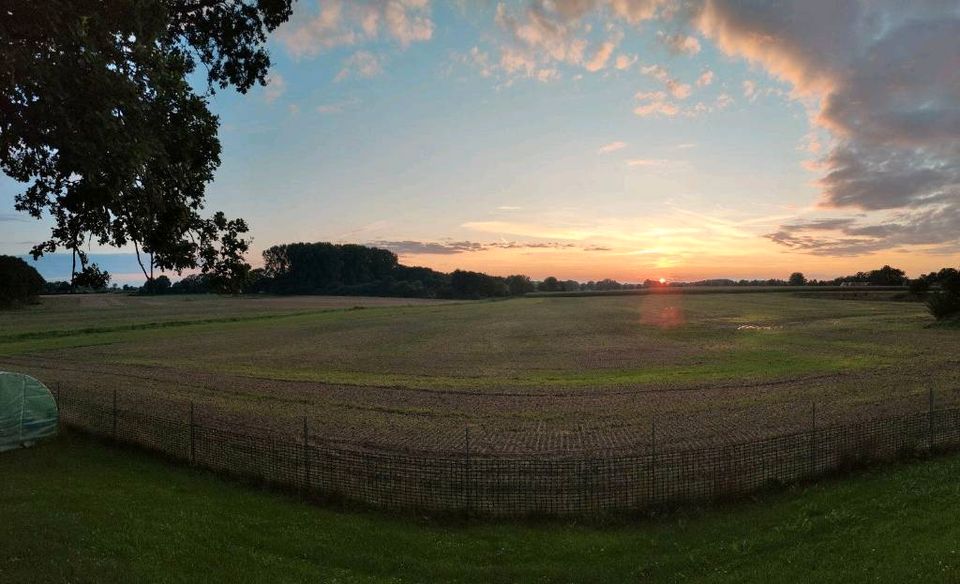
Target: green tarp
28	411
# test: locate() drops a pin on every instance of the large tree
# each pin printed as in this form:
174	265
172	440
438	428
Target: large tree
98	117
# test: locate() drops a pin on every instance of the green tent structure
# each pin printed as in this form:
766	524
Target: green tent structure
28	411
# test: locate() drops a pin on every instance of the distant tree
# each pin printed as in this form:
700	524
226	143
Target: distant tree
549	284
159	285
797	279
222	249
950	281
58	287
570	286
520	285
465	284
99	115
92	277
608	284
192	284
887	276
919	287
20	283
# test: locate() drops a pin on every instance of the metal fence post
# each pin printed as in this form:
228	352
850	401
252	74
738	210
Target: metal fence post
813	439
467	474
653	460
306	455
193	448
59	408
114	415
930	406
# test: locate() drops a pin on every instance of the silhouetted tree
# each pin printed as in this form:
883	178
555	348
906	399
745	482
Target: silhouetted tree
549	284
520	285
159	285
92	277
20	282
99	115
465	284
797	279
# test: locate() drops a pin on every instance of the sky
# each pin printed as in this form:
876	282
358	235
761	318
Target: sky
590	139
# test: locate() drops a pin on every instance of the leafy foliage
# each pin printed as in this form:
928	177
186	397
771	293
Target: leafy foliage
158	285
943	305
19	282
98	118
92	277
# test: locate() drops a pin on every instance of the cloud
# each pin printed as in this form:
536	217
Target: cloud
410	247
624	62
360	64
879	77
934	228
648	162
882	79
679	43
660	164
677	89
276	87
339	24
12	217
611	147
655	103
408	21
337	107
600	58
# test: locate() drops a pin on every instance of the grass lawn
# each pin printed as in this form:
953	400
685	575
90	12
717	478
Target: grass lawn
75	510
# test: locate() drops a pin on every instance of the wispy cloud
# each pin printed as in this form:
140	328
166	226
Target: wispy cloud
679	43
360	64
340	24
414	247
276	87
337	107
612	147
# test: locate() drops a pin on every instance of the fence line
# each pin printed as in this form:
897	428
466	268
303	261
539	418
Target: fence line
496	485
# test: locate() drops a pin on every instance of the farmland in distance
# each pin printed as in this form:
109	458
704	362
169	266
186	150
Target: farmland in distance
526	375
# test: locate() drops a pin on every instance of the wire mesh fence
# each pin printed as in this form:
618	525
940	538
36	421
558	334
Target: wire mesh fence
474	481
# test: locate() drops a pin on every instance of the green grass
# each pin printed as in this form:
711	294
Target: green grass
78	511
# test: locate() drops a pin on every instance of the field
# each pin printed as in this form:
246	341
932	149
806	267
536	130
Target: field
77	511
548	374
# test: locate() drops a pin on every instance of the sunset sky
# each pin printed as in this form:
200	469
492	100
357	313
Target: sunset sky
601	138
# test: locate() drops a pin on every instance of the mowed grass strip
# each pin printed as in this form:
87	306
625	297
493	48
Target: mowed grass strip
76	510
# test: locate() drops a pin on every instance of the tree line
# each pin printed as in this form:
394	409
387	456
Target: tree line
352	269
359	270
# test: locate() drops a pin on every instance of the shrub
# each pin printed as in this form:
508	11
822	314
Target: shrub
919	287
19	282
943	305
